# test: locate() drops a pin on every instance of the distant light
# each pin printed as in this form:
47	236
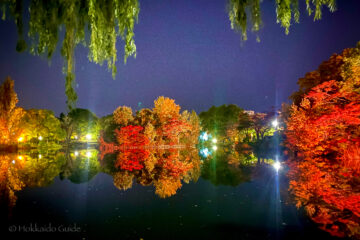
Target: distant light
277	166
76	153
214	140
40	156
21	139
88	154
88	136
20	157
204	136
40	138
214	148
205	152
275	123
76	137
13	161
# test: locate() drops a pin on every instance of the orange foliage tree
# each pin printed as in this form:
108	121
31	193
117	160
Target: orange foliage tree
324	129
10	115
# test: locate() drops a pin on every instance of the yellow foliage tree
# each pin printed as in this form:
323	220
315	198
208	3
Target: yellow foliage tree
123	115
166	109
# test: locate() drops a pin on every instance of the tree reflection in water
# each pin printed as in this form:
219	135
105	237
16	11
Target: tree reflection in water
165	169
329	193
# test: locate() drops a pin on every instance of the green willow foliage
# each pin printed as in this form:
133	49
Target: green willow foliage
105	20
285	11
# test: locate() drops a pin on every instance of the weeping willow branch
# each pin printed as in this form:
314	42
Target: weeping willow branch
106	20
286	11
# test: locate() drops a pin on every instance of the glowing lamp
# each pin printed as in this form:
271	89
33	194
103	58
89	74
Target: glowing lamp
214	140
275	123
40	138
214	148
277	166
76	153
21	139
88	136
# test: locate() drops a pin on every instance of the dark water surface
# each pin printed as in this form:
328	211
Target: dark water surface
227	202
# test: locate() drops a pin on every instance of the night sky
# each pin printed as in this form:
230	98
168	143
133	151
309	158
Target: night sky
186	50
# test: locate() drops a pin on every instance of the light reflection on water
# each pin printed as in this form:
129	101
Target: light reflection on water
154	194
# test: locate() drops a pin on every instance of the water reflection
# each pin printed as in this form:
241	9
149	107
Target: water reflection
229	167
165	169
329	193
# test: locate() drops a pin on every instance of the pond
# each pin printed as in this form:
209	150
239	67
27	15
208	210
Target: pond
80	194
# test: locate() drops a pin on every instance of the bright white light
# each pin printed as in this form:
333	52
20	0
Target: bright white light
214	148
214	140
275	123
277	166
21	139
13	161
20	157
205	152
88	136
40	156
88	154
40	138
76	137
204	136
76	153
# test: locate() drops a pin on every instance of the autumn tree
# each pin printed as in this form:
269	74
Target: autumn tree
324	130
10	115
327	120
339	67
165	109
123	116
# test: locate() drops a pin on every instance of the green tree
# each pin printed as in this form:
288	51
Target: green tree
80	124
218	119
42	123
105	19
286	12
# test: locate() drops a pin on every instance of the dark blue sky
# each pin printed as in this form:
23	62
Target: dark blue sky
187	51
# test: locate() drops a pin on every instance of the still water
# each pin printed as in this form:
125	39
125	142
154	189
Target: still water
162	194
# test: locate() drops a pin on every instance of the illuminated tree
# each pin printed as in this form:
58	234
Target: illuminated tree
42	123
261	124
218	119
10	115
165	109
342	68
324	129
84	124
150	133
144	116
105	19
123	116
